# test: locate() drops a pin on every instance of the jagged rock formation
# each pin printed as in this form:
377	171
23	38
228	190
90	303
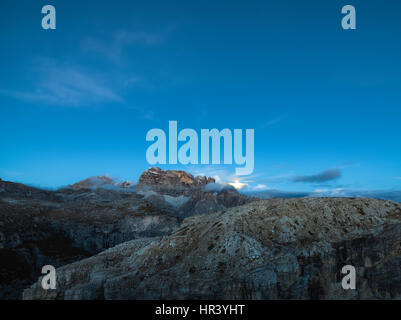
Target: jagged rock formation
14	190
172	178
270	249
188	194
99	182
39	227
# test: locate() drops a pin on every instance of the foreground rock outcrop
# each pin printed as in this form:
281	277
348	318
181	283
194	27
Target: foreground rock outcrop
40	227
270	249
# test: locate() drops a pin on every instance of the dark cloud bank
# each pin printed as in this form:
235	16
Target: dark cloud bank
324	176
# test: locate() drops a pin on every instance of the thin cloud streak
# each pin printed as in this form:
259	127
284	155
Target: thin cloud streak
114	48
65	86
324	176
272	122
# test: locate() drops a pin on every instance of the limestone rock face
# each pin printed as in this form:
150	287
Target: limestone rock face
157	184
268	249
172	178
39	227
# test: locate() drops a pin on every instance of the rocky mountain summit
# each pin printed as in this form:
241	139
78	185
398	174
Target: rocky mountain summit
99	182
39	227
172	178
190	195
268	249
176	236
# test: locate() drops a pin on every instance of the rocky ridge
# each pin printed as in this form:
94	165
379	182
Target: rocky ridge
99	182
268	249
39	227
191	192
173	178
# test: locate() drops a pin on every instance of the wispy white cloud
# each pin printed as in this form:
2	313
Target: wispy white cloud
220	175
223	178
63	85
132	81
125	37
149	115
348	164
260	187
272	122
114	47
336	192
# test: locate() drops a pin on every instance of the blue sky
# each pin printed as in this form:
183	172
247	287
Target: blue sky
325	103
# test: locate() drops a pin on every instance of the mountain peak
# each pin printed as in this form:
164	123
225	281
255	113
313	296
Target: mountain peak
99	181
173	178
